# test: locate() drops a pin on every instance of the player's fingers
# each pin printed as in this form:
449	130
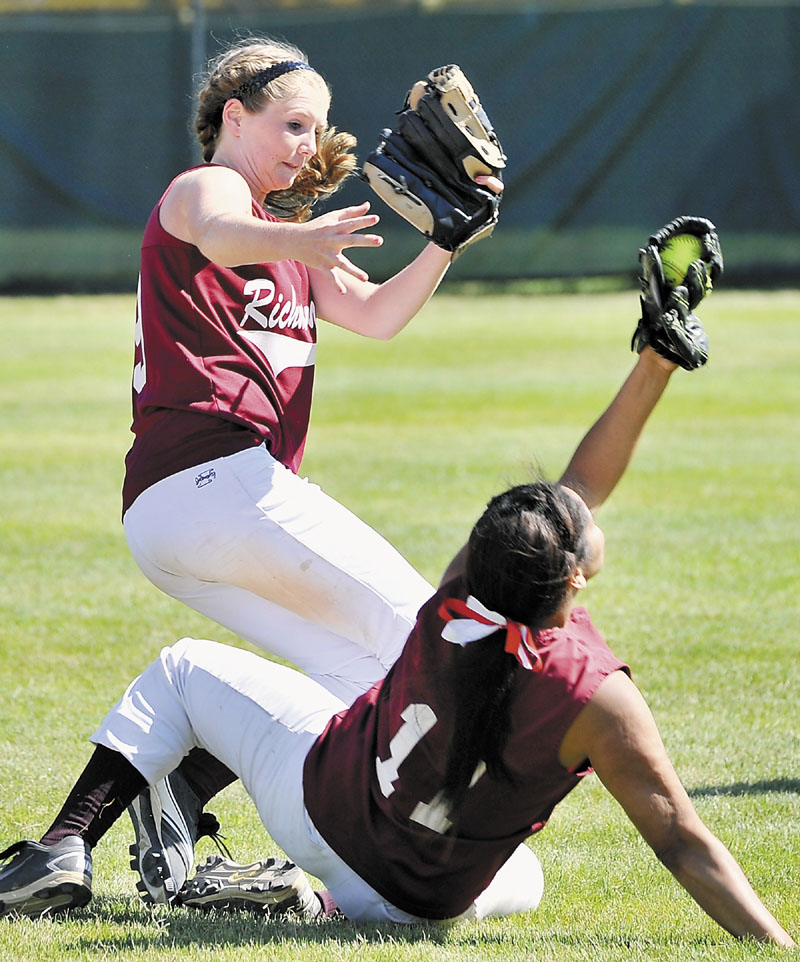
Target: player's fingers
348	213
338	281
353	224
361	240
349	268
492	182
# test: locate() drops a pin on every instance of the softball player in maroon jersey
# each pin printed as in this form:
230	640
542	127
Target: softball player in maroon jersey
228	306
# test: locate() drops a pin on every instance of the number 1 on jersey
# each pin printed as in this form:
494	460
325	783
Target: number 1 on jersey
417	722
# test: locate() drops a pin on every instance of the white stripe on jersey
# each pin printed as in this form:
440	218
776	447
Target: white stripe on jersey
282	351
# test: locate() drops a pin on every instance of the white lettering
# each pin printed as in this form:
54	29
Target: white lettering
285	311
263	291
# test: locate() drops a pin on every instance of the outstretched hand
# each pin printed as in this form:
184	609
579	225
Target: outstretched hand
327	236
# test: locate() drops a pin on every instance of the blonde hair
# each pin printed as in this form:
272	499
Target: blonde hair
230	75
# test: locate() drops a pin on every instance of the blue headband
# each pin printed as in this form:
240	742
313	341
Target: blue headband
263	77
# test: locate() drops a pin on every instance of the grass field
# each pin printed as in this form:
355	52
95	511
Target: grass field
700	594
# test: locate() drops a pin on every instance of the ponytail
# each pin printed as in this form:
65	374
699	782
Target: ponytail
482	680
520	556
322	176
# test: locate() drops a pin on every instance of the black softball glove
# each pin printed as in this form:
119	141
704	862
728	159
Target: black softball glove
424	168
668	323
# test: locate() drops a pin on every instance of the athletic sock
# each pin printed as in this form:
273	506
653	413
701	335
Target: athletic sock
103	791
329	907
206	775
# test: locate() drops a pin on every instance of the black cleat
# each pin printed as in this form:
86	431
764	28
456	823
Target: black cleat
45	879
168	820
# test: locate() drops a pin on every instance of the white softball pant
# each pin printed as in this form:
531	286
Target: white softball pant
268	555
261	719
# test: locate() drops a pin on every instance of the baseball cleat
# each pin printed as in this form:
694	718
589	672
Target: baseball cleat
273	887
45	879
168	820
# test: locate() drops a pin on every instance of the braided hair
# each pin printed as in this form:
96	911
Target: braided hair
246	72
521	554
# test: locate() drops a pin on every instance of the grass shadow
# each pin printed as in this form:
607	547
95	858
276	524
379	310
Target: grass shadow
763	787
139	927
125	923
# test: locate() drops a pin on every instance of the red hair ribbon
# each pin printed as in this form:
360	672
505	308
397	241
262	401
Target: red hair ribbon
478	622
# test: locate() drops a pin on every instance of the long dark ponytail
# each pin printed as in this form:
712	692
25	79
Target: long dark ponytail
521	554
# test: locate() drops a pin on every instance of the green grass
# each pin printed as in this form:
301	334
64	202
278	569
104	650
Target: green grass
700	595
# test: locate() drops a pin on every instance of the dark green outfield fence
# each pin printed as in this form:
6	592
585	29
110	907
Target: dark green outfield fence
614	120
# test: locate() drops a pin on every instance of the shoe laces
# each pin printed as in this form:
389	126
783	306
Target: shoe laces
208	826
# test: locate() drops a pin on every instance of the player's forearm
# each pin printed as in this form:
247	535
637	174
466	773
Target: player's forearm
603	455
383	310
234	241
711	875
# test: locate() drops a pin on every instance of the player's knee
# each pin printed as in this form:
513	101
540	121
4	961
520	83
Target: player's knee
185	653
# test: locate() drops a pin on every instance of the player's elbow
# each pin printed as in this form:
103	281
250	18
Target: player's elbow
383	334
672	855
376	327
683	846
219	254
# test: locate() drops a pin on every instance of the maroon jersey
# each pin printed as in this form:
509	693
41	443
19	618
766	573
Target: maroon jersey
224	359
373	778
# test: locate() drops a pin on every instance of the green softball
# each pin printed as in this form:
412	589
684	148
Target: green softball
677	254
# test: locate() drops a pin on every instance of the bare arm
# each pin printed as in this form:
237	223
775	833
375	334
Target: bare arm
211	207
604	453
379	310
383	310
617	732
606	450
